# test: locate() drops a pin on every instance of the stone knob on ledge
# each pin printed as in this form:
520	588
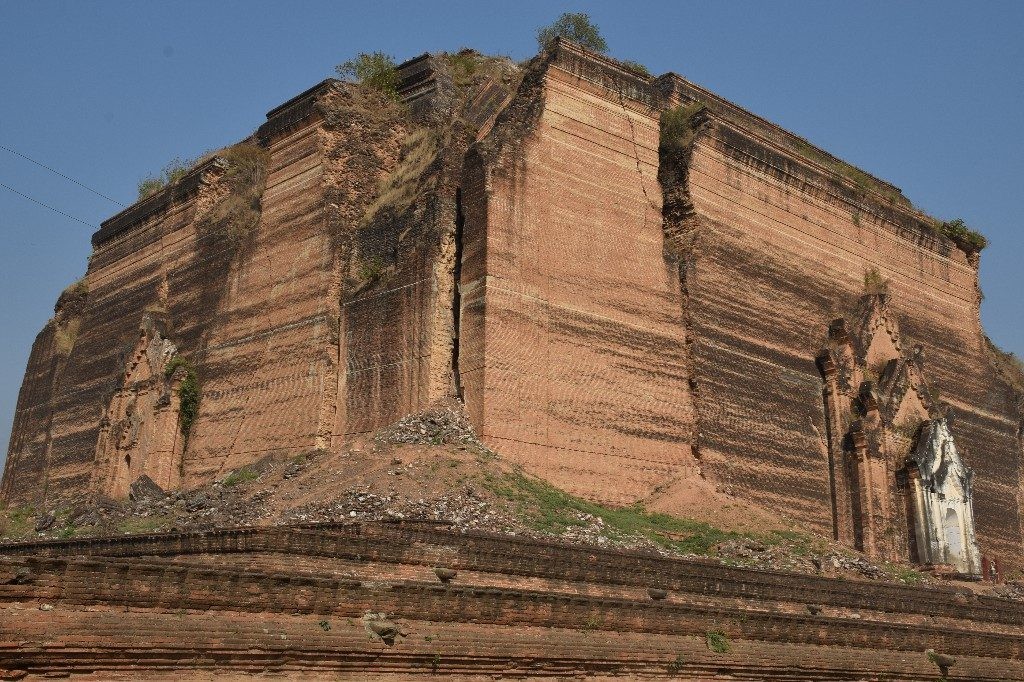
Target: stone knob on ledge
445	575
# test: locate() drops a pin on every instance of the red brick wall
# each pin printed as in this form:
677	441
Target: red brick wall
746	605
252	317
576	321
573	342
780	256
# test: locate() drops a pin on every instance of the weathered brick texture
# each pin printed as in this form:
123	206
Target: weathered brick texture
616	318
210	612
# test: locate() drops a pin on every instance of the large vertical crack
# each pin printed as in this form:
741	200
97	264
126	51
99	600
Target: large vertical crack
679	224
636	154
457	294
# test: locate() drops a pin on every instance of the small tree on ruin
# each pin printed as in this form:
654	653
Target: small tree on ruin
574	26
376	70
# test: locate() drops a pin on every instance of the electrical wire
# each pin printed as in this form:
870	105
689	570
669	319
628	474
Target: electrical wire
21	194
43	165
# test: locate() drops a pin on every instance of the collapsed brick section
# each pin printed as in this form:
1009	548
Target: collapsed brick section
398	327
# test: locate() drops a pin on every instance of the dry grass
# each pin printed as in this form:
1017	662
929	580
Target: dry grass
236	214
77	288
171	173
399	190
66	335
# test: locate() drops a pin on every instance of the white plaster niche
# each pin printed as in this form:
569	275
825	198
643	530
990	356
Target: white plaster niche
941	490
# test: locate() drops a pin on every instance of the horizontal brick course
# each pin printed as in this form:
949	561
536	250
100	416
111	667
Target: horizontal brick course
136	573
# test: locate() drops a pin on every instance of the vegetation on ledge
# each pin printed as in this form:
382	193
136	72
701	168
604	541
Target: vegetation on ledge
678	127
76	289
967	239
635	67
875	283
376	70
237	213
862	180
171	173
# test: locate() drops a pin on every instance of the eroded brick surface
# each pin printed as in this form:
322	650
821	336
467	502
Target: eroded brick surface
264	601
618	320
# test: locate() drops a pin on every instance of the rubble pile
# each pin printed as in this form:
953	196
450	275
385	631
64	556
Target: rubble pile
462	512
446	424
425	467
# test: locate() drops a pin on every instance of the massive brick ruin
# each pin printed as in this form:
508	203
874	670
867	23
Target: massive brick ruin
622	305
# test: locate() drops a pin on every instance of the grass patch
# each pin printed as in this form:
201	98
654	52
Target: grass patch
550	510
239	476
65	335
874	282
463	64
907	576
676	665
797	543
371	269
67	532
16	522
76	289
141	525
718	643
175	170
967	239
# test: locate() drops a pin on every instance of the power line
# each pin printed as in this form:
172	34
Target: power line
46	205
42	165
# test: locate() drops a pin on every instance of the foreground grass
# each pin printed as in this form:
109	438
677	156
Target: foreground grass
142	525
548	509
16	522
238	476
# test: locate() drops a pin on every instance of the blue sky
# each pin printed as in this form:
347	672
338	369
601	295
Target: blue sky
928	95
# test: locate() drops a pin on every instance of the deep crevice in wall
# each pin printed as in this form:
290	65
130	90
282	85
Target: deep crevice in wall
679	225
457	294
